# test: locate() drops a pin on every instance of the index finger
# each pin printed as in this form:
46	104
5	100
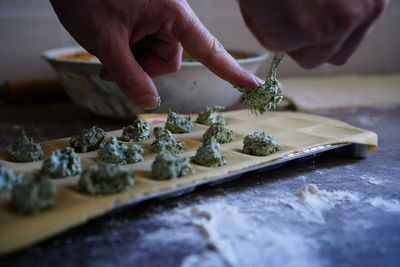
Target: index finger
204	47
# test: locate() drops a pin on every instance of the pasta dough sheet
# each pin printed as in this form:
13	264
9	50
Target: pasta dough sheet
310	93
295	131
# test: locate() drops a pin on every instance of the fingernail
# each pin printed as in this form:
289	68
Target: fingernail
148	101
258	80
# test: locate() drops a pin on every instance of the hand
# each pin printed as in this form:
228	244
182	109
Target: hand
140	39
312	31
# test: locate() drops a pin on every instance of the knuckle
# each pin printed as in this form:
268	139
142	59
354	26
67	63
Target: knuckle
174	58
176	6
215	49
175	64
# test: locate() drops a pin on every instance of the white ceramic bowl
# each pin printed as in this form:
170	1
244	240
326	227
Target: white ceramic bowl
189	90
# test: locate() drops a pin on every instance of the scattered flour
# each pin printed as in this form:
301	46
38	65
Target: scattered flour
390	205
372	180
237	236
241	241
206	259
311	202
169	235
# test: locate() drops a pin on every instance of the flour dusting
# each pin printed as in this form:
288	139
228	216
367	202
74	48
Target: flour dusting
372	180
239	231
242	242
311	202
389	205
206	259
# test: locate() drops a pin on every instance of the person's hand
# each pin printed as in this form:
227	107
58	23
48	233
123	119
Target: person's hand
140	39
312	31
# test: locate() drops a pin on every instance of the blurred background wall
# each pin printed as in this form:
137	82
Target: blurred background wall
27	27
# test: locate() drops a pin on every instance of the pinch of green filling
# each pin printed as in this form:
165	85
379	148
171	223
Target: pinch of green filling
169	166
209	155
210	116
165	139
178	124
8	179
221	134
267	96
88	139
116	152
260	144
24	149
138	131
61	163
34	196
105	178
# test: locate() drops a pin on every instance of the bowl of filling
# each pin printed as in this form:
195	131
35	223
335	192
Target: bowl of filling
189	90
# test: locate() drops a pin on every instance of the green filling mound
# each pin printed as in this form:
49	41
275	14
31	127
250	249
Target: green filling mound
116	152
61	163
104	179
8	179
33	197
24	149
260	144
209	155
88	139
165	139
210	116
138	131
169	166
268	95
178	124
221	134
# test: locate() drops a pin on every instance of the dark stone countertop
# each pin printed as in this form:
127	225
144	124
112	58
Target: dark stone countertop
259	220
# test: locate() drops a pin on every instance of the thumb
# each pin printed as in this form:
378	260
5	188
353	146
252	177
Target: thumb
123	68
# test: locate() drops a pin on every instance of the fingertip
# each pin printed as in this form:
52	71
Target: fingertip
305	58
148	101
130	77
258	81
338	61
142	91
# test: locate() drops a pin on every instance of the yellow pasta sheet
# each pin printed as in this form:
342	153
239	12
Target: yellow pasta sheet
295	131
